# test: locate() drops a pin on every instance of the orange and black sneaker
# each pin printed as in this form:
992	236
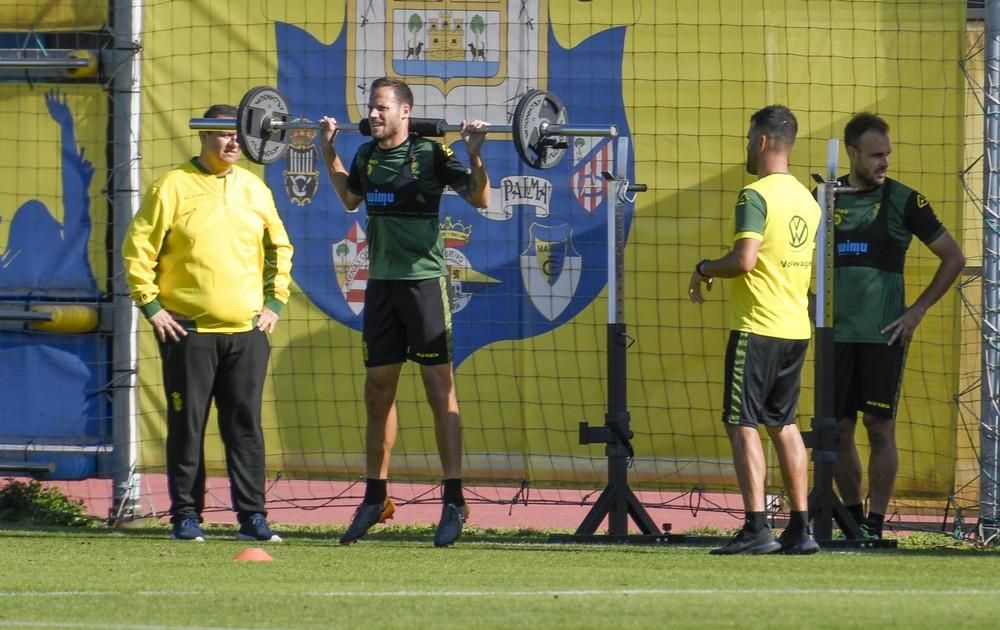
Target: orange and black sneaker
366	517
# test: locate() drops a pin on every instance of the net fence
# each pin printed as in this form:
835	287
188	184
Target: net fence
529	274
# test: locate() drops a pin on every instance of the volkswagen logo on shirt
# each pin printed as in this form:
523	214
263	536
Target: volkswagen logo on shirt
798	232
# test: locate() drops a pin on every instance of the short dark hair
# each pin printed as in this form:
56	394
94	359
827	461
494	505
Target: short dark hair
778	123
220	110
861	123
399	89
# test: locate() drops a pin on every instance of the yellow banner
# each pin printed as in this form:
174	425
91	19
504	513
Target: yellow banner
54	15
686	76
53	215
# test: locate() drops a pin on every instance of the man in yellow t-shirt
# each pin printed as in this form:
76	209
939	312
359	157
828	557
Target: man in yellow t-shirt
771	266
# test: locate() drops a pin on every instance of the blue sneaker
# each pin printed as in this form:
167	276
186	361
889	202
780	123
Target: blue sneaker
189	528
255	527
453	517
802	542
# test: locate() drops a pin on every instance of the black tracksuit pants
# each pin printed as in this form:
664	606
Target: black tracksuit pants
229	368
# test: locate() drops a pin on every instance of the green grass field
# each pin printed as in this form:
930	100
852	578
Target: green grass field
98	578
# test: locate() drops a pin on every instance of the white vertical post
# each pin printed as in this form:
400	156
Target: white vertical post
989	422
126	198
616	232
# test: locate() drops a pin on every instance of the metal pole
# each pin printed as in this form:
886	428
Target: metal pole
617	502
125	200
44	63
990	420
618	418
274	125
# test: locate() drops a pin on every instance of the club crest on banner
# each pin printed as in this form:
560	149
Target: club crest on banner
486	52
464	279
301	174
591	162
551	268
350	263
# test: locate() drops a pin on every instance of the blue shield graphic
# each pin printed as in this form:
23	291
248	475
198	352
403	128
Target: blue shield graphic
320	79
550	268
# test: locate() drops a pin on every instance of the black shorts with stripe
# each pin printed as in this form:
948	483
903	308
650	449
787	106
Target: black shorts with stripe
868	377
763	379
407	319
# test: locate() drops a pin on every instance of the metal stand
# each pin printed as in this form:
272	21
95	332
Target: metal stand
617	502
825	506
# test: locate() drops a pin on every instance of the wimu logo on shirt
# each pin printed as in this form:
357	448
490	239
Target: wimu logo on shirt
380	198
851	248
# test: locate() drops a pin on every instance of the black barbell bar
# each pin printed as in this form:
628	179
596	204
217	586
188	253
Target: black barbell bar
421	126
539	127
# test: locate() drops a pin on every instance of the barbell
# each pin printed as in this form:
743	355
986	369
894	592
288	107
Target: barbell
539	127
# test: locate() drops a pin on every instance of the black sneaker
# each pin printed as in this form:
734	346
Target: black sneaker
188	528
255	527
366	517
753	543
450	527
801	542
867	531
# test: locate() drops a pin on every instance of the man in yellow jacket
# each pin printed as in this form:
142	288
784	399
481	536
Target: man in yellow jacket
208	261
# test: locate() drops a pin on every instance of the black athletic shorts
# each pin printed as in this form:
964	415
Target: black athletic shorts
868	378
763	379
407	319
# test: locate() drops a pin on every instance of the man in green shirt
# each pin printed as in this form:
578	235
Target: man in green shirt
407	315
872	324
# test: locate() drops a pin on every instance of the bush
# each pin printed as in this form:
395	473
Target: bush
34	503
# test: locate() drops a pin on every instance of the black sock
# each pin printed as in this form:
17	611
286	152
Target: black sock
453	492
798	521
375	491
857	512
755	522
874	523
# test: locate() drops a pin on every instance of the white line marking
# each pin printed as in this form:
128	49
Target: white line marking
543	593
58	624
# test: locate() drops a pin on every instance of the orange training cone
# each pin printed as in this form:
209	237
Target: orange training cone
253	554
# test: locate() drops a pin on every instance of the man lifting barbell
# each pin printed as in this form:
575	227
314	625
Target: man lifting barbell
401	176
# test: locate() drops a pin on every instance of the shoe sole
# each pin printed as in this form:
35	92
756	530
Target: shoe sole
801	550
197	539
765	549
386	515
759	550
274	538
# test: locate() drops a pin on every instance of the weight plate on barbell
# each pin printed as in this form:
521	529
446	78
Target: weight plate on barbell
538	150
259	107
